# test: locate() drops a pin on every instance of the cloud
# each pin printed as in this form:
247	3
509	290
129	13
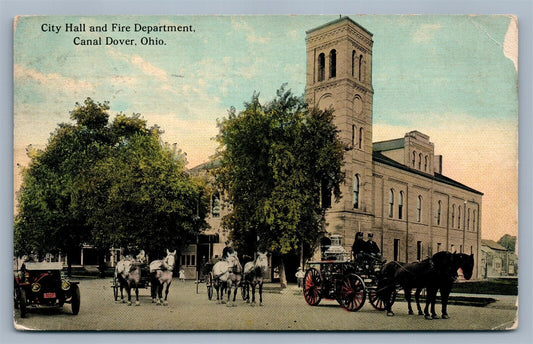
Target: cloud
148	68
50	80
426	32
510	43
251	35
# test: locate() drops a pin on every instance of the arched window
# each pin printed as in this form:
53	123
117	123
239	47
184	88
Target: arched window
425	163
353	135
333	63
391	202
360	66
468	220
419	209
360	137
453	215
439	210
420	161
474	221
321	66
356	191
459	217
414	159
400	205
353	62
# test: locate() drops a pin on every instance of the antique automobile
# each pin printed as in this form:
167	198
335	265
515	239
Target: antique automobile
44	284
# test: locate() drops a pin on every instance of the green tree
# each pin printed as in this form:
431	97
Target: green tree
277	161
508	241
106	184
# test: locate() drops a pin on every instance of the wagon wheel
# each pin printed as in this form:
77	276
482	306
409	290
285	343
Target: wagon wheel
352	293
22	302
377	302
209	284
312	287
75	301
244	290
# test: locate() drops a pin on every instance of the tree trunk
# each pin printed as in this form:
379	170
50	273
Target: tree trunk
282	275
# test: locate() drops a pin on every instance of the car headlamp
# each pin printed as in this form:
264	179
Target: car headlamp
65	285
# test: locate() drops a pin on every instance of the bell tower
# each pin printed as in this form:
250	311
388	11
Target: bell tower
339	75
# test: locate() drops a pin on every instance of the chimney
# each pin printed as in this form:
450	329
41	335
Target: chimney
437	164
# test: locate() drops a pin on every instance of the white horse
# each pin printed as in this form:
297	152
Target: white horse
253	274
161	277
226	273
128	275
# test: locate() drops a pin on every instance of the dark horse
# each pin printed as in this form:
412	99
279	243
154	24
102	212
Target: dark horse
437	273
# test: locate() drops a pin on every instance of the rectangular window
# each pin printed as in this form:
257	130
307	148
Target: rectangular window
193	260
182	259
438	246
396	249
419	250
188	260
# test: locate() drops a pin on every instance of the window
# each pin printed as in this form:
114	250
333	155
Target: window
439	209
453	215
360	66
353	62
419	209
439	246
420	161
333	63
396	249
451	248
391	202
459	217
474	221
426	163
414	159
468	220
321	66
356	191
419	250
360	137
400	206
353	135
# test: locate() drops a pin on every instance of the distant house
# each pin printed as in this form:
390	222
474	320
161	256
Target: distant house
497	261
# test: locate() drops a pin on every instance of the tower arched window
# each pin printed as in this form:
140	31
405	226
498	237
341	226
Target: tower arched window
321	66
425	163
459	217
360	137
353	135
420	161
474	221
468	220
360	66
356	192
400	205
353	62
332	63
391	203
419	209
439	210
414	159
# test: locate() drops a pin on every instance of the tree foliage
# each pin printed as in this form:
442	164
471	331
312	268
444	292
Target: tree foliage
277	160
508	241
106	184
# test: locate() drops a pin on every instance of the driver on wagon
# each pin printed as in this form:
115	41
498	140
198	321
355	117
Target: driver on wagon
358	246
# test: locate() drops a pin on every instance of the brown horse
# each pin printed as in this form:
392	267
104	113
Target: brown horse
437	273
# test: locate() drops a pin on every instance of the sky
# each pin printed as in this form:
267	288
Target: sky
453	78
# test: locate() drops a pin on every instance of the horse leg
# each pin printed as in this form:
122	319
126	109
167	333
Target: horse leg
165	302
153	288
137	303
445	294
431	299
253	293
260	293
128	290
407	292
417	298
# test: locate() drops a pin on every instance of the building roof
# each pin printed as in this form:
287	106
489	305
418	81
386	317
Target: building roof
493	245
388	145
378	157
341	19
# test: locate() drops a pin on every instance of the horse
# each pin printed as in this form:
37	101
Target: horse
128	275
435	273
253	275
224	276
161	277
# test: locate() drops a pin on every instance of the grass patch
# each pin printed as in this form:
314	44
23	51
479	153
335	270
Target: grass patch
490	287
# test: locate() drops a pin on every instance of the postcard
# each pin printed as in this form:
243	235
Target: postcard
266	173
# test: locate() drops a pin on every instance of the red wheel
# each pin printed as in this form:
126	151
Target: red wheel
352	293
377	302
312	287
